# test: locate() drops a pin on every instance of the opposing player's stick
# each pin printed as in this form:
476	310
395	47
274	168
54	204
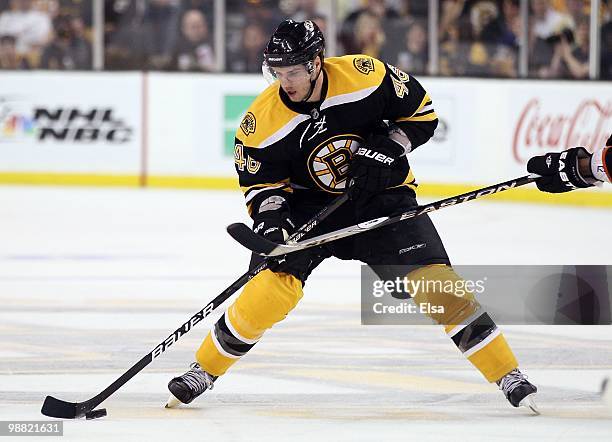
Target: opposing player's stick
258	244
54	407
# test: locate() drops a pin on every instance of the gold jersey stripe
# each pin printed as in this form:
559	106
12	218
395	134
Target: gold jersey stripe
426	100
428	117
410	181
261	185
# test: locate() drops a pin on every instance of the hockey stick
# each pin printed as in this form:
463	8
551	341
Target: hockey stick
258	244
54	407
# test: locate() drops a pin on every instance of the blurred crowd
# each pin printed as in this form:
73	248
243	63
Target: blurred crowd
475	37
45	34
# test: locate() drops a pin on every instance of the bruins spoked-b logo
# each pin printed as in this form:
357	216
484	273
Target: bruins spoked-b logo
364	65
248	124
329	162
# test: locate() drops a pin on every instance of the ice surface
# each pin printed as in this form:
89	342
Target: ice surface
93	279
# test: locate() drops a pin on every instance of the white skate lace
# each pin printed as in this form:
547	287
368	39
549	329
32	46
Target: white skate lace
512	380
197	379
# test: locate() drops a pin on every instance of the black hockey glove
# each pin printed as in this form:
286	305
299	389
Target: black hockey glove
559	170
276	225
376	166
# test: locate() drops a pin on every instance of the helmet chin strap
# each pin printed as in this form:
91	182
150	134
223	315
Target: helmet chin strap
312	86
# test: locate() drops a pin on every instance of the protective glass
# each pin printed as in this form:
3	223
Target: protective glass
287	74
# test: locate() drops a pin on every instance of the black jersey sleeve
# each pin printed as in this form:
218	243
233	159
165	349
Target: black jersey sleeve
260	174
409	106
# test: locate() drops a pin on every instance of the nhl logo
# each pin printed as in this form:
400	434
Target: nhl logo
364	65
248	124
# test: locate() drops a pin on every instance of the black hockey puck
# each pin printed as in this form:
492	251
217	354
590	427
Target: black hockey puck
95	414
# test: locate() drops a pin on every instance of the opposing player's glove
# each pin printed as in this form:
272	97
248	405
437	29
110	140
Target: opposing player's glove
376	166
561	171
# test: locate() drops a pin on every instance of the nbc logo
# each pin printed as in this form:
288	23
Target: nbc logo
14	124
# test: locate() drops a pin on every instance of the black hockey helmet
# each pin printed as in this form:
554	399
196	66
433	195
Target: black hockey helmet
294	43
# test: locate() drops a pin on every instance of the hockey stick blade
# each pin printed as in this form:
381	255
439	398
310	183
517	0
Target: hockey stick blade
260	245
251	240
54	407
263	247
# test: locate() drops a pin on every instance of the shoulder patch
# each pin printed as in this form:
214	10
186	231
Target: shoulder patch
401	75
364	65
248	124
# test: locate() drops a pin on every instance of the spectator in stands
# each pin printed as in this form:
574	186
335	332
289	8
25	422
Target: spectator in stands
571	58
9	58
240	22
481	34
204	6
510	27
123	40
350	32
410	10
30	27
578	10
160	28
265	12
306	10
310	10
502	38
194	51
413	58
451	10
547	25
250	57
547	21
369	35
606	44
69	48
396	29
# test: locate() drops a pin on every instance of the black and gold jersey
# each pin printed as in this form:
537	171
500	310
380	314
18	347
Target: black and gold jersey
281	146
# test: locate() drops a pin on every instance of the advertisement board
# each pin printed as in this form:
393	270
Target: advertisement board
177	130
70	123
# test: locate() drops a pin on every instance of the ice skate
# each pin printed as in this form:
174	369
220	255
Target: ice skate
188	386
518	390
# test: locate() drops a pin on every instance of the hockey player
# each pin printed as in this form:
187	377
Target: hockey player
315	129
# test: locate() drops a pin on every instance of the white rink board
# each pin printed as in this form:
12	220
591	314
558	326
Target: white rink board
488	128
481	137
70	122
186	122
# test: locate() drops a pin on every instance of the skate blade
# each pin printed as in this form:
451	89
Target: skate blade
528	402
172	402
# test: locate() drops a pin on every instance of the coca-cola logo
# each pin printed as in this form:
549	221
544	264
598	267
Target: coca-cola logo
540	130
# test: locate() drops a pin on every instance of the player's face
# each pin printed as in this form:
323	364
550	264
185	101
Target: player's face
295	81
